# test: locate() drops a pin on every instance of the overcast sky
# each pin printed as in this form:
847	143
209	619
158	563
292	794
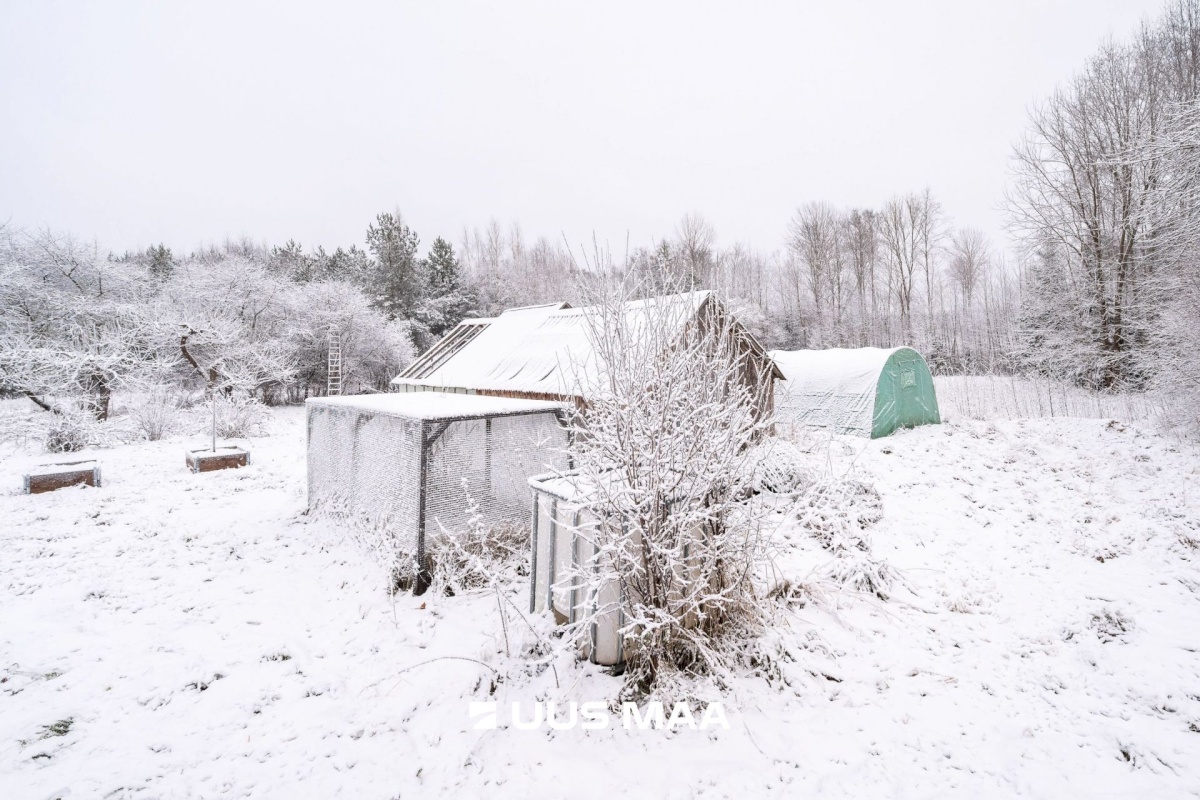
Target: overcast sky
184	123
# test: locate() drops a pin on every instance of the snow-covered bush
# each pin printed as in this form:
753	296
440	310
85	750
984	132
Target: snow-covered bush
478	557
1111	624
662	449
240	416
837	511
70	430
155	413
858	570
776	465
20	422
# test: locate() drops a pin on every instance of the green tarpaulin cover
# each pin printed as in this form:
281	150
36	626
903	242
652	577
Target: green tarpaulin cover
867	391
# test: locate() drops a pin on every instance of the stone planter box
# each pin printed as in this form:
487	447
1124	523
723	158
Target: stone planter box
221	458
59	476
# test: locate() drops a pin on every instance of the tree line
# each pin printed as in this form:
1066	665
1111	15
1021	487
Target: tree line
1104	205
1103	291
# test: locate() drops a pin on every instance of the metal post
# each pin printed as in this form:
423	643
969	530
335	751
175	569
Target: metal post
213	391
553	546
533	548
422	579
575	578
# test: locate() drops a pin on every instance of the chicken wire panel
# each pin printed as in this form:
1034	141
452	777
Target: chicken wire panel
481	468
366	467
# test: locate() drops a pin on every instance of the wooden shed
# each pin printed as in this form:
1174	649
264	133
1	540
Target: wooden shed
536	352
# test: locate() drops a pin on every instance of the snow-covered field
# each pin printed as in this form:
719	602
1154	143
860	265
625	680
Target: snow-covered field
179	635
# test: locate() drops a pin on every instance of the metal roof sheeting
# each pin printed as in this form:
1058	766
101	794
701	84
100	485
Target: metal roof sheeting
544	350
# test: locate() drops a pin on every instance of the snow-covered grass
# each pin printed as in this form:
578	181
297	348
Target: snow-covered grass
1008	397
179	635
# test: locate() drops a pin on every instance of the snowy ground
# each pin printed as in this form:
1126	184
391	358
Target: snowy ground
178	635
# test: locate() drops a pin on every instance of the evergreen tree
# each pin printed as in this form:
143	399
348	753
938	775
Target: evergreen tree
447	300
353	266
397	284
292	262
442	271
162	263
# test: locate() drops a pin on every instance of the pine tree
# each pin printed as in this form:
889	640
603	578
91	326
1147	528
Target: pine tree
442	270
292	262
351	265
447	301
162	263
397	286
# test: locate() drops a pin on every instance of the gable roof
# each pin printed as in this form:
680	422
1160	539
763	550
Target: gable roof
462	334
539	350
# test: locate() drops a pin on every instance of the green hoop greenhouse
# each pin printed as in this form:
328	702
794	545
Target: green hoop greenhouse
868	391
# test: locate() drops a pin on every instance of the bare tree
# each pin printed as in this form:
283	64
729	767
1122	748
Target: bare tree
1087	178
813	240
863	244
695	239
900	226
930	235
969	259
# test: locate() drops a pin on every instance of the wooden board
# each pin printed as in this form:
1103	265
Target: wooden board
222	458
59	476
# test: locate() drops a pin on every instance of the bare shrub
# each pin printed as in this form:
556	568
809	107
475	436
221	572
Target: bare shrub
20	423
156	413
70	430
860	571
478	557
1110	625
837	512
778	466
483	557
663	447
240	416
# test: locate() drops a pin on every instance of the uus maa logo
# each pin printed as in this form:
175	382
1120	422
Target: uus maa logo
593	716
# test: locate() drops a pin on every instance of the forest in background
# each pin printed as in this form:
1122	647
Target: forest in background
1101	289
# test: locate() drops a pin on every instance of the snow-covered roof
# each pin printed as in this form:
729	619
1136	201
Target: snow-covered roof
466	331
832	389
837	370
435	405
542	350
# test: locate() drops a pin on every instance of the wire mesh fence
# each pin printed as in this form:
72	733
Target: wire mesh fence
401	469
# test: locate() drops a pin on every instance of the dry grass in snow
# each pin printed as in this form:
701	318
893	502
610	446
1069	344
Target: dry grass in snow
995	397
